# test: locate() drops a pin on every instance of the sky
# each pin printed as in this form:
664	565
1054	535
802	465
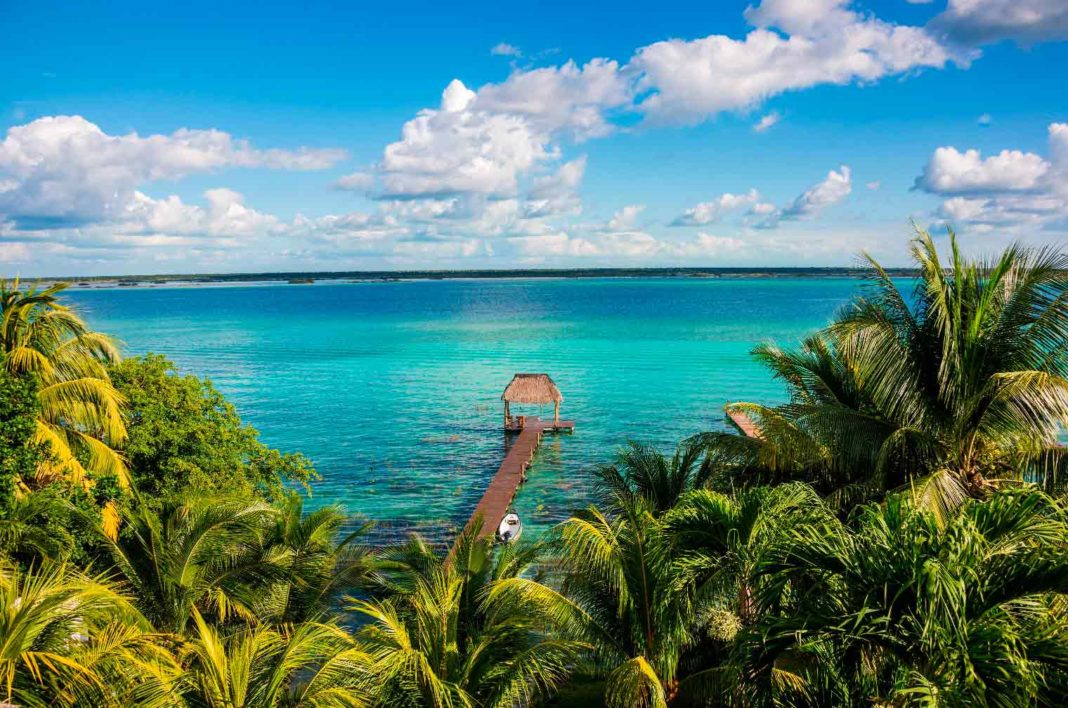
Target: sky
140	138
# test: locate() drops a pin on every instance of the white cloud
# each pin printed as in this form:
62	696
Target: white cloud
356	182
15	252
626	218
66	169
1008	191
874	186
225	216
950	171
492	166
563	101
504	49
557	194
832	190
710	245
985	120
487	141
711	211
766	122
554	245
817	42
608	246
1023	21
459	149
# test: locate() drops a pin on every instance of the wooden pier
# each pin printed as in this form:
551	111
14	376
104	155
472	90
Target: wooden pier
745	424
502	488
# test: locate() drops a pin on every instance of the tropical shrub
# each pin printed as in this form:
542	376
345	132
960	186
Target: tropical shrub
463	631
21	454
309	664
68	639
896	608
183	435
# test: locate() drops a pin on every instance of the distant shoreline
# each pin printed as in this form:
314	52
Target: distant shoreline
311	277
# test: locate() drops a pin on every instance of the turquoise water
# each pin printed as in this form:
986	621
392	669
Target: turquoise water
393	389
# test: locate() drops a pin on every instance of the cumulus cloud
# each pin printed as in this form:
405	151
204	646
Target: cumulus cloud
557	194
225	216
562	101
950	171
833	189
626	218
493	164
66	169
711	211
1022	21
488	141
985	120
458	148
796	44
484	142
1009	190
621	246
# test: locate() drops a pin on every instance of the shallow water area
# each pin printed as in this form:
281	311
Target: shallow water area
393	388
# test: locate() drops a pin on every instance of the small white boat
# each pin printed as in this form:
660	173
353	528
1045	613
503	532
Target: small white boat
510	528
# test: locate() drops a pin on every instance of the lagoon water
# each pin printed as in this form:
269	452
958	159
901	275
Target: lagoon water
393	388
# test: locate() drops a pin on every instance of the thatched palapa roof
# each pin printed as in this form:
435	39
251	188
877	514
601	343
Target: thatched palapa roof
532	388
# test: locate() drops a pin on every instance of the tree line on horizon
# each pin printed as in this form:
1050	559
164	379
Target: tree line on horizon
896	533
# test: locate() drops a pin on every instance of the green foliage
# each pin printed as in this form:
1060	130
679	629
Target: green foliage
20	453
80	412
895	608
234	559
310	664
184	436
68	639
956	388
466	631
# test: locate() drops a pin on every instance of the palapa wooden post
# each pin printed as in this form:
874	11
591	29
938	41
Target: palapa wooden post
556	412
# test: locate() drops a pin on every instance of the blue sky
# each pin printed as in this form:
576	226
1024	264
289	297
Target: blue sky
142	138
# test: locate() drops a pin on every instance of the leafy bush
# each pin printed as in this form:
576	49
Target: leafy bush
183	435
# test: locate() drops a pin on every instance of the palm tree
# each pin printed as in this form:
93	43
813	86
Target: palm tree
68	639
960	384
896	608
32	528
81	412
720	540
207	554
321	560
307	664
644	472
621	595
453	633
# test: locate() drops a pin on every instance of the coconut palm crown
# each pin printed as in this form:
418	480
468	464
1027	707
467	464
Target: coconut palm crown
954	387
81	412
